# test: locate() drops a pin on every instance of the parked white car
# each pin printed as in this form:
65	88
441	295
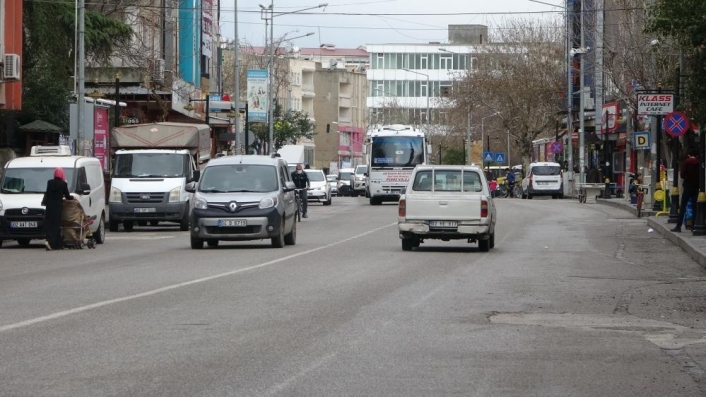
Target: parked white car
358	180
333	182
543	179
447	202
320	189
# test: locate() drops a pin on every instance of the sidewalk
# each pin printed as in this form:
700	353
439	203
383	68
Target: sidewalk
694	246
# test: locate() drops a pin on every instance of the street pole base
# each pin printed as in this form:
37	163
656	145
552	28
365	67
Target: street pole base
674	209
699	230
700	218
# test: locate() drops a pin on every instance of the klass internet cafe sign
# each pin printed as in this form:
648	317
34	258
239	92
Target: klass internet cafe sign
655	104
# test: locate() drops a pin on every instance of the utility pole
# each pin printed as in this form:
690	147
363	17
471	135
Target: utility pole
271	109
582	104
236	93
81	89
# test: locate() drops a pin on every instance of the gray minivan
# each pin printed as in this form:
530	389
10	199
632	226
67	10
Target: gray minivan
240	198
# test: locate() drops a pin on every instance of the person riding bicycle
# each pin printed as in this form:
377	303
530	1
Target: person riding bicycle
301	181
510	180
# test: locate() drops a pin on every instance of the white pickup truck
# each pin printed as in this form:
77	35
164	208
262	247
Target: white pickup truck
447	202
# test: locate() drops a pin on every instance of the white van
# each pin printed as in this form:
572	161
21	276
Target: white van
25	180
543	179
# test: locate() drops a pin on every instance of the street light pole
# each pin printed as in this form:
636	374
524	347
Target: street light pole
236	94
482	134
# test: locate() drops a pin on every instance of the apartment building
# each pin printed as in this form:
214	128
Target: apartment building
342	120
331	57
408	81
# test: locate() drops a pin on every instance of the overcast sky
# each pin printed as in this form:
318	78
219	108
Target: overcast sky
350	31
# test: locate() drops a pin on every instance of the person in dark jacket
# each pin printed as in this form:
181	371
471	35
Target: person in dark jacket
690	185
57	189
301	181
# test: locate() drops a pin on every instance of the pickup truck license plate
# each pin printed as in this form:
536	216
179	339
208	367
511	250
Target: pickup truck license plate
23	225
232	222
145	210
443	223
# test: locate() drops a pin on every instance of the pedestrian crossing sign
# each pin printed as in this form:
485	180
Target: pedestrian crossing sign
500	158
488	157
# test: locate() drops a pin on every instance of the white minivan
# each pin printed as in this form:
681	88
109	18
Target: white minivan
543	179
25	180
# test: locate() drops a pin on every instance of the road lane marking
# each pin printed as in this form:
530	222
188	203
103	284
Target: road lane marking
109	302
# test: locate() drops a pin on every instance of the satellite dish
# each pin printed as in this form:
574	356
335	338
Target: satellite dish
295	49
332	64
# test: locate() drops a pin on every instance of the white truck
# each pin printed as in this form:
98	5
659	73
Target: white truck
152	164
393	151
447	202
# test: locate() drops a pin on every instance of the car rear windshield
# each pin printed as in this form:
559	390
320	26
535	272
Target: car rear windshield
546	170
345	175
447	181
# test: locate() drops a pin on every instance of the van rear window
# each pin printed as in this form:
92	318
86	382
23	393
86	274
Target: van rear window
546	170
447	181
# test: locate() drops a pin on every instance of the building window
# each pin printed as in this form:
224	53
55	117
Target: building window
424	62
423	90
446	62
435	61
381	61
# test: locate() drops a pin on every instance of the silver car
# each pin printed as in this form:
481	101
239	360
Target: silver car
241	198
333	182
320	188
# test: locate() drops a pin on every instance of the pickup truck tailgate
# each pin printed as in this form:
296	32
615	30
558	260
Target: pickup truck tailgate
459	207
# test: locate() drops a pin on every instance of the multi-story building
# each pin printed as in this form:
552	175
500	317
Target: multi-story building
329	56
341	121
11	55
408	81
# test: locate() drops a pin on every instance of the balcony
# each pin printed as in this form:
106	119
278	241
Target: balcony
344	101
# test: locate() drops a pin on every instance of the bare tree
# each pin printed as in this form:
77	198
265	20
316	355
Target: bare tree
519	76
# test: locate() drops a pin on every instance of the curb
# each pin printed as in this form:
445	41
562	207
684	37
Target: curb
680	242
627	207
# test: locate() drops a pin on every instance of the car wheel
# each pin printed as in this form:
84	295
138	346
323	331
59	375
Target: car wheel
407	244
128	226
24	242
1	243
99	235
212	242
113	225
196	243
492	240
484	245
291	238
278	242
375	201
328	202
184	224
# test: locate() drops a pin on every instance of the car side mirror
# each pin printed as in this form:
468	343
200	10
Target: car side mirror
197	176
85	189
190	187
289	186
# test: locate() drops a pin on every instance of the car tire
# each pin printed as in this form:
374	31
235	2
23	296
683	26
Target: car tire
407	244
196	243
1	243
24	242
328	202
484	245
491	240
184	224
375	201
113	225
291	238
278	242
128	226
212	242
99	235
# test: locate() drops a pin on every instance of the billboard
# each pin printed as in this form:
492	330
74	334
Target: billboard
100	140
257	95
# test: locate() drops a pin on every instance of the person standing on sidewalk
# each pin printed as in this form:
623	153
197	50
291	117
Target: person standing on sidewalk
690	185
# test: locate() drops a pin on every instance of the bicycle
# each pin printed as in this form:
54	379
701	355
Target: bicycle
515	192
300	205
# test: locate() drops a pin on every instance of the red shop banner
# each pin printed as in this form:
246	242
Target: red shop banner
100	140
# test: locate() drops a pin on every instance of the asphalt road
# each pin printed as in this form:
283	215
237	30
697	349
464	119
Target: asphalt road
576	300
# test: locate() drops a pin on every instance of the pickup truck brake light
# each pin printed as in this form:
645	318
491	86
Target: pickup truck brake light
484	209
402	208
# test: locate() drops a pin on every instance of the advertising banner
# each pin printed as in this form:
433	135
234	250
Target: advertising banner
100	140
257	95
207	27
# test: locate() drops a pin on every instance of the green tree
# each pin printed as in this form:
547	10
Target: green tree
290	126
684	22
48	56
454	156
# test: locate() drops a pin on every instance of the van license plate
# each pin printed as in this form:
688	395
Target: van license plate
232	222
23	225
443	223
145	210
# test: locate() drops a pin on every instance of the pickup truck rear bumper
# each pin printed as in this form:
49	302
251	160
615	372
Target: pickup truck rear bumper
422	230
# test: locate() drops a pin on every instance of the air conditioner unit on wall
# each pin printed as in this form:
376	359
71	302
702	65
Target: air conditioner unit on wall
11	68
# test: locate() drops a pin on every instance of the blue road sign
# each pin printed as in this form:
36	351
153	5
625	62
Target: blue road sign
500	158
676	124
488	157
641	140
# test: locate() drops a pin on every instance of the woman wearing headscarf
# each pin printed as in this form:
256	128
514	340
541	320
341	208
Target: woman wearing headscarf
57	189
